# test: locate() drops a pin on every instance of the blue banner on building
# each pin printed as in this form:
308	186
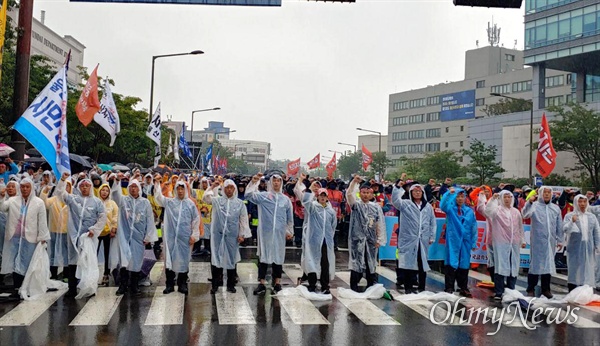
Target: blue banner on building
458	106
196	2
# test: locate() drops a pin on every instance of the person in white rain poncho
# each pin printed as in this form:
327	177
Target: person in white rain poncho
86	216
12	190
507	240
135	228
275	226
366	233
181	229
26	225
416	231
583	234
320	220
58	218
229	228
546	236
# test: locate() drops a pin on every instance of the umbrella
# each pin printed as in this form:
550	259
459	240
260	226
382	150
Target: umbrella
80	161
35	160
133	165
33	152
105	167
162	169
5	150
119	167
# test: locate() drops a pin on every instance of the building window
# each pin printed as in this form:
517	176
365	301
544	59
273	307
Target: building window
435	116
521	86
399	149
418	103
569	78
500	89
480	84
569	98
461	144
398	106
416	134
479	102
446	145
415	119
431	133
397	121
415	148
399	136
554	101
509	57
430	147
462	128
433	100
555	81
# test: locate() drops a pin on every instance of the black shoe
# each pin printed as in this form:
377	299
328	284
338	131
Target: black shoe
465	293
169	289
214	290
419	290
449	290
498	297
260	290
122	290
71	293
135	290
399	285
183	288
547	294
326	291
231	289
276	288
15	295
311	288
410	291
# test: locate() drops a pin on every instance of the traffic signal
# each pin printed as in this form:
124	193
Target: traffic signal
489	3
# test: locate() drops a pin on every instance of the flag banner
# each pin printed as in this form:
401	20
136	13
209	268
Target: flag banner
208	158
546	155
108	117
183	144
293	167
88	104
154	134
44	124
315	163
176	149
170	147
367	158
3	11
331	166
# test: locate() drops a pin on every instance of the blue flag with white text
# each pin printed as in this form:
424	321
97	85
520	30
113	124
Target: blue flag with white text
208	158
183	144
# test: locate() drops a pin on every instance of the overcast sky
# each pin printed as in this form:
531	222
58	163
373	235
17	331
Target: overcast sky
301	76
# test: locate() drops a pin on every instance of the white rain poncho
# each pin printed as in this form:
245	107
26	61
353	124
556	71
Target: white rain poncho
229	222
508	234
275	221
37	279
20	246
583	243
319	227
182	222
416	227
85	214
58	219
135	226
3	216
367	228
546	233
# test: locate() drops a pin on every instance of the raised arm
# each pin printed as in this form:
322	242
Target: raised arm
491	209
352	190
528	208
115	191
160	200
397	194
211	192
61	192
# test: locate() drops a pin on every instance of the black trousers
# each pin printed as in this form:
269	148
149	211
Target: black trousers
181	278
262	270
105	239
298	222
72	278
532	281
217	277
460	276
356	276
410	274
312	277
17	280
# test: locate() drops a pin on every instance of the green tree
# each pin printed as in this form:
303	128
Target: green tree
483	161
555	179
380	162
506	106
577	131
441	165
350	164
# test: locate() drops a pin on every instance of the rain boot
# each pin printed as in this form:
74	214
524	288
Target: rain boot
123	281
182	286
170	282
449	278
134	286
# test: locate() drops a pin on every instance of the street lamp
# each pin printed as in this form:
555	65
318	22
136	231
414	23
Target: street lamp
335	151
379	133
530	131
350	145
198	111
194	52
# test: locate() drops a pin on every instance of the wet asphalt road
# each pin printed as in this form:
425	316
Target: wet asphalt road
274	324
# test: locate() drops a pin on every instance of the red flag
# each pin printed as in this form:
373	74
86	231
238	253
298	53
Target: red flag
546	155
331	166
316	162
293	167
88	104
367	157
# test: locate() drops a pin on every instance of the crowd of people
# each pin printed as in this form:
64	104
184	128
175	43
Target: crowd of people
180	216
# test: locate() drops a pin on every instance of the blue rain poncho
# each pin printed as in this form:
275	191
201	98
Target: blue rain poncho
546	233
19	247
461	231
508	235
229	222
182	222
135	226
275	221
318	228
582	245
416	227
85	214
367	229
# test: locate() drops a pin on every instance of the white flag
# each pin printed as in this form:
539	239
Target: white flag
176	150
44	124
170	147
107	117
154	134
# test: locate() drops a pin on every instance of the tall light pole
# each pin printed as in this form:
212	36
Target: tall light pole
530	131
350	145
192	126
335	151
379	133
194	52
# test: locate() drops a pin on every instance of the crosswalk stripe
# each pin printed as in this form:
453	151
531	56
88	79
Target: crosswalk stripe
233	308
156	272
99	309
293	272
166	309
199	272
301	310
27	312
366	311
345	277
248	273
